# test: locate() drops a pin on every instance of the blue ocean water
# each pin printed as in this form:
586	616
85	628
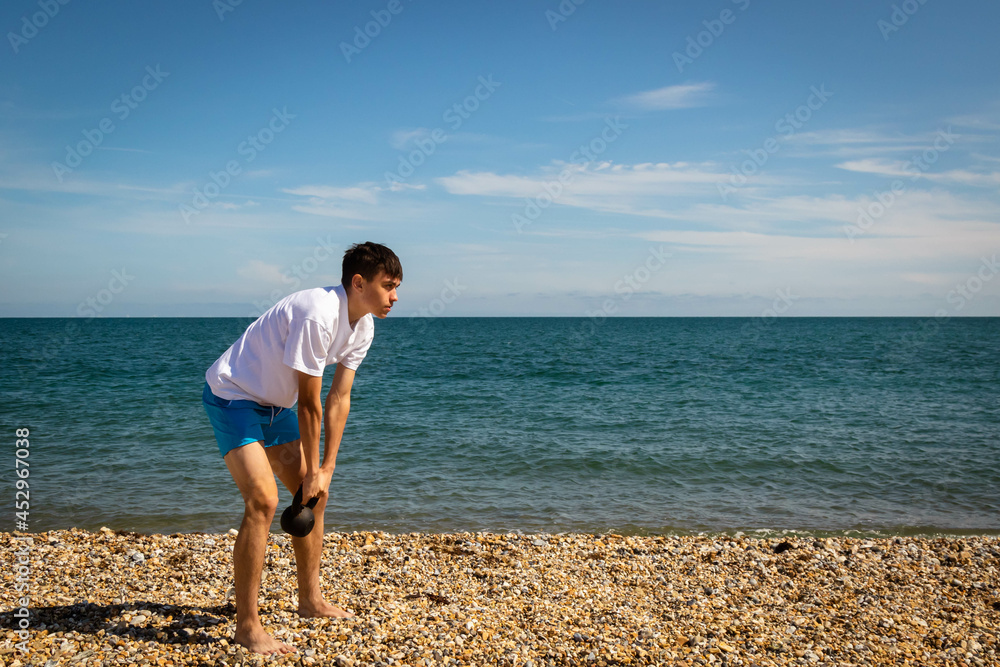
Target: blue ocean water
888	425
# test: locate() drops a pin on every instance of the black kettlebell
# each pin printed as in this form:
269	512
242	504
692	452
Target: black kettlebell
297	520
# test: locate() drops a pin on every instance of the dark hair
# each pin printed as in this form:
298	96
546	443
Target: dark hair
368	259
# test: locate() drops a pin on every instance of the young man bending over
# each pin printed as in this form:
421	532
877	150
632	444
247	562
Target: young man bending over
248	395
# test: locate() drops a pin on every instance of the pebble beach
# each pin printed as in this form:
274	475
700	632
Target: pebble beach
117	598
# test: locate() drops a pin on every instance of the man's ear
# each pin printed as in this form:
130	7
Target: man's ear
357	282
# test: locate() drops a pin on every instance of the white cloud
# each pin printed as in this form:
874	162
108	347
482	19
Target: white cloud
988	121
862	143
929	230
363	192
320	207
400	139
356	202
908	170
852	136
877	166
125	150
965	177
405	139
575	117
933	279
32	178
233	206
767	248
591	186
260	272
489	184
399	186
653	190
684	96
919	232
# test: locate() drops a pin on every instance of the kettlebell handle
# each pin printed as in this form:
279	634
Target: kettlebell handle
297	500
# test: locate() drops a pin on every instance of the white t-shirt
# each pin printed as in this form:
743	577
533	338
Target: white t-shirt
305	331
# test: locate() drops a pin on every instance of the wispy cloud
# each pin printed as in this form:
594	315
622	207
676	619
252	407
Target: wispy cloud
860	143
764	249
897	169
319	207
363	192
400	139
988	121
576	117
33	179
260	272
966	177
672	191
921	225
356	202
597	180
877	166
684	96
605	186
406	138
125	150
865	135
233	206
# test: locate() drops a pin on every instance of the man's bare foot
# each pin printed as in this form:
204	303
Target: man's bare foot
258	641
323	610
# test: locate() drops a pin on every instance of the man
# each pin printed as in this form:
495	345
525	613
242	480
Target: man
248	395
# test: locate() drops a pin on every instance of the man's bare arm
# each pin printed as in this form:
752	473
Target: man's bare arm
338	405
310	414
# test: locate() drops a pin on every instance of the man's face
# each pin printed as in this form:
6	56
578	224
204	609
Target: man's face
380	294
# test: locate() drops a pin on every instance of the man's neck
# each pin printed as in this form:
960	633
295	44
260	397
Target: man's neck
355	311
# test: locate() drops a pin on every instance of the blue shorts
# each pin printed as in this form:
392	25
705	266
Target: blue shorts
238	423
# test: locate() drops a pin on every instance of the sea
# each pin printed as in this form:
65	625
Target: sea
760	426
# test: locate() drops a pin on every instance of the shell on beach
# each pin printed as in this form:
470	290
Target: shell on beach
116	598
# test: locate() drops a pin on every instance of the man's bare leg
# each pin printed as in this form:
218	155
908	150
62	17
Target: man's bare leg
287	464
251	471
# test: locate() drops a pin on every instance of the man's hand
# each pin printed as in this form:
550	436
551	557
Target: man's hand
316	485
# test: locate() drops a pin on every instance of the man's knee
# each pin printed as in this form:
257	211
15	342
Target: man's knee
262	504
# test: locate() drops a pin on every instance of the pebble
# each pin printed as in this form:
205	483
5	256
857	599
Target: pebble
113	598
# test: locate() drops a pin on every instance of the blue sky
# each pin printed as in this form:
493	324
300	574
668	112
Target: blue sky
523	158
